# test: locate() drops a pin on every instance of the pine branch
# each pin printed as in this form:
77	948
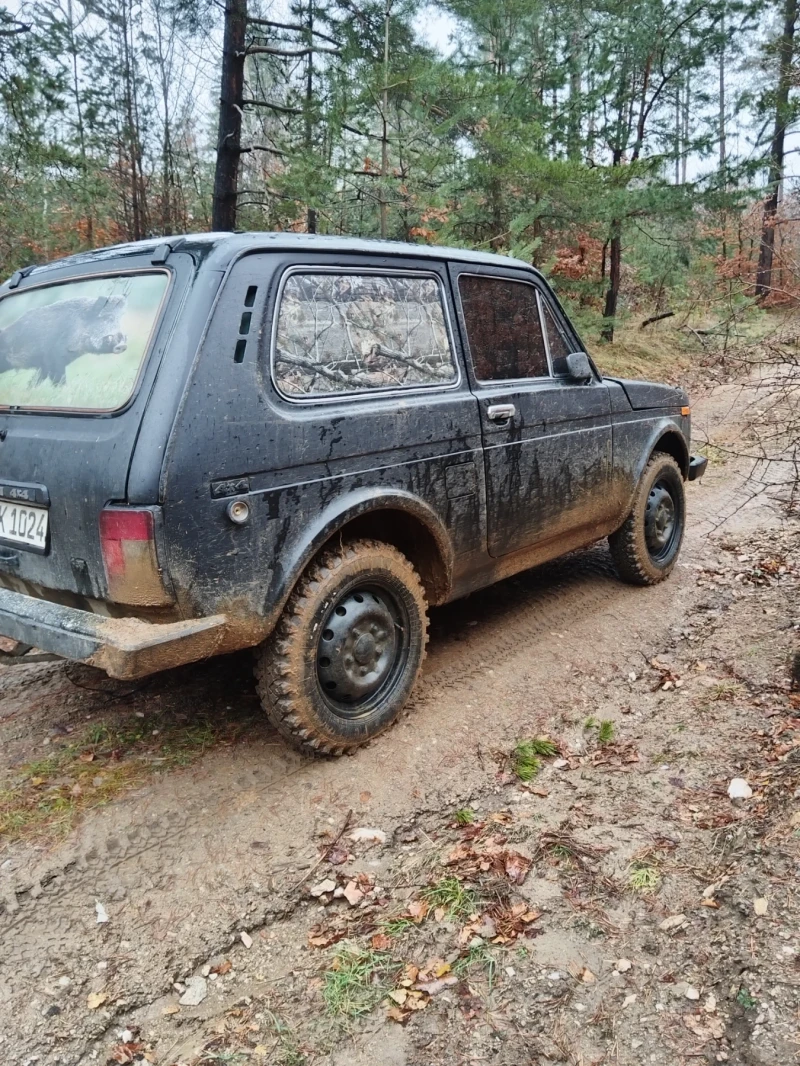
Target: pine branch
296	28
274	107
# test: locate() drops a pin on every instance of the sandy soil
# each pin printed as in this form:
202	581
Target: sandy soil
619	907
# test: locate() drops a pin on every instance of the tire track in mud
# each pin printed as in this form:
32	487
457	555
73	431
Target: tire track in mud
513	615
47	924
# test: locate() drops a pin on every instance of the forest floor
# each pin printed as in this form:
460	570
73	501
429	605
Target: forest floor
178	887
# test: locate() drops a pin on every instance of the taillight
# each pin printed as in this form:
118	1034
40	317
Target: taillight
128	543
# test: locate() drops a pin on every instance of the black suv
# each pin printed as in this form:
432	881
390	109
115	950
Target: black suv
299	443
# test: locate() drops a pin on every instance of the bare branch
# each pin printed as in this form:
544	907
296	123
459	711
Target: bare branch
290	53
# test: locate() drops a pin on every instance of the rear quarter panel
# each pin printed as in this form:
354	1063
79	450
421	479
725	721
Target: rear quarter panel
303	469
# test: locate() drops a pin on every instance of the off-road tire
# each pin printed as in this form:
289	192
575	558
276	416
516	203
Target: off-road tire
633	559
286	664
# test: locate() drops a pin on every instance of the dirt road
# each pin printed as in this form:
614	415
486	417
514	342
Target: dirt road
603	911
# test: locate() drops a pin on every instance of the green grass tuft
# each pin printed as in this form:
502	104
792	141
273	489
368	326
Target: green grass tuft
356	981
526	762
449	893
465	816
477	956
643	877
605	731
744	999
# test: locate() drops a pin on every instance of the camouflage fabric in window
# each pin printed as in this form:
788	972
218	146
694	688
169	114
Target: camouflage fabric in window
355	332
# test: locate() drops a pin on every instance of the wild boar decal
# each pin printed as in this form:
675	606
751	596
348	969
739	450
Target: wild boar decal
49	338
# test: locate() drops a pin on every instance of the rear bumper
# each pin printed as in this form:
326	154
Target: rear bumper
697	467
124	647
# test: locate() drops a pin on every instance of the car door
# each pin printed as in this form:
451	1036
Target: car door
546	439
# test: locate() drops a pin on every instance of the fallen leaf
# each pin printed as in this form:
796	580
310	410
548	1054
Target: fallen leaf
320	937
381	942
581	973
397	1015
399	995
709	903
86	756
96	999
760	906
416	1001
418	909
516	867
710	1004
224	967
337	855
171	1008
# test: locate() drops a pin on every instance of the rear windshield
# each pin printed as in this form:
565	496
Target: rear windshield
79	345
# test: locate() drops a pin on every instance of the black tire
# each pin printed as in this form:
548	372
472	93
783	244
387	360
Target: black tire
347	649
646	547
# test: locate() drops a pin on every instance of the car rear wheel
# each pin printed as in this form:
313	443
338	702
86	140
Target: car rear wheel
347	649
646	547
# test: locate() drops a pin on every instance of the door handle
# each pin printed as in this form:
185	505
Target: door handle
501	412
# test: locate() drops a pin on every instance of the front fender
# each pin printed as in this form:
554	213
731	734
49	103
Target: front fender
634	444
298	552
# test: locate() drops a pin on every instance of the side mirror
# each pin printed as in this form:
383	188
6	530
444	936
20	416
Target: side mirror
579	368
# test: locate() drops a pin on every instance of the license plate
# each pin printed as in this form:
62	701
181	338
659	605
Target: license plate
24	525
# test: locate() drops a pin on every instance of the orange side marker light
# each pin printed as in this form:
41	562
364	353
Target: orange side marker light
686	410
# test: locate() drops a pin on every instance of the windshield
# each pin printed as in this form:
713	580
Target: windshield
78	345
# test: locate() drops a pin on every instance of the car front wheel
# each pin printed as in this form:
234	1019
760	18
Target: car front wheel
347	649
645	548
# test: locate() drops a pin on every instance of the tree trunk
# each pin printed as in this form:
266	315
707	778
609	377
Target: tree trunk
686	113
575	112
614	244
229	140
385	119
614	274
311	214
786	55
722	139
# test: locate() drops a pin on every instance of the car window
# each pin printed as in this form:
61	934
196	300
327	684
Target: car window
560	346
360	332
503	328
78	345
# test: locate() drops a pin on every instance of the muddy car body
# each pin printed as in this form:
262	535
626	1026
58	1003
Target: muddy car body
274	427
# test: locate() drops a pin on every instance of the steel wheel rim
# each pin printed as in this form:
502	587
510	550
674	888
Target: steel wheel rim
362	649
663	521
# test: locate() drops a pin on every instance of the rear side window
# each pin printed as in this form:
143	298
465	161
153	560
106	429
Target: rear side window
503	328
339	333
78	345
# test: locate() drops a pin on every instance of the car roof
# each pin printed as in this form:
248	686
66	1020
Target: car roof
219	249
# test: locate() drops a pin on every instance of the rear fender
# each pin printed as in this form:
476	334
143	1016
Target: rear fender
296	555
